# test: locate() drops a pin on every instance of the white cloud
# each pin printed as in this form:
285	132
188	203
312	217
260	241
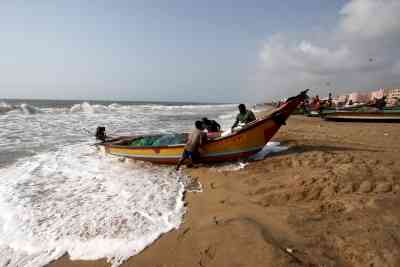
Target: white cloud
361	52
370	18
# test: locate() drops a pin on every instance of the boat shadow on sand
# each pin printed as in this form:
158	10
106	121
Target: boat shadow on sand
281	148
285	148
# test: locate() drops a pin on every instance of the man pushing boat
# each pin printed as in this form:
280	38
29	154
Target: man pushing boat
245	116
191	150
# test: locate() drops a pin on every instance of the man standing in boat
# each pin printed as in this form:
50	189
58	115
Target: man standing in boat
245	116
192	148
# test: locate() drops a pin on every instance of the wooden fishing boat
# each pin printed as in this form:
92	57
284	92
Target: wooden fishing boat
365	116
239	144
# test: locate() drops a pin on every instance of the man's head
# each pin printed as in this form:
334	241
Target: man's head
199	125
242	108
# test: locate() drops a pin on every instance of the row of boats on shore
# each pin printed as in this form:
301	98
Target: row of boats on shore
246	141
370	112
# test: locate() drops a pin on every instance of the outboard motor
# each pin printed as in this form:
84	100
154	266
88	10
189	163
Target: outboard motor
101	133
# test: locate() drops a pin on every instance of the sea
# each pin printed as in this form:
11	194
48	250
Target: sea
59	194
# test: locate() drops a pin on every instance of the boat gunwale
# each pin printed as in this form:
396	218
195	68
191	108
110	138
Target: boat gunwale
248	126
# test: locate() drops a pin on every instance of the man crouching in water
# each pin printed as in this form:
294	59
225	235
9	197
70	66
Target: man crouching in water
195	140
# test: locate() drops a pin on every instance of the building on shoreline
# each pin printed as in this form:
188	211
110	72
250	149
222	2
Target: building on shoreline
357	97
392	95
377	94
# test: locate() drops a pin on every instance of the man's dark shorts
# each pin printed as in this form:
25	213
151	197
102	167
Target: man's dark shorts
189	155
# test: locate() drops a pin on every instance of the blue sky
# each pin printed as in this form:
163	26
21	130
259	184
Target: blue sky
156	50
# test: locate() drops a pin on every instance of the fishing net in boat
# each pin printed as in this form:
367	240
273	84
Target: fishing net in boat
160	140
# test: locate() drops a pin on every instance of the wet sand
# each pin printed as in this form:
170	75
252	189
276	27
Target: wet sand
331	199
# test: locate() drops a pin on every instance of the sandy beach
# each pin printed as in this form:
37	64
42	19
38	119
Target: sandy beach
331	199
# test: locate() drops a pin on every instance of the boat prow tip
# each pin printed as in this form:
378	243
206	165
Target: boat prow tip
304	93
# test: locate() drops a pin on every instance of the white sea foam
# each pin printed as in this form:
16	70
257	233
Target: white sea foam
185	107
29	109
78	201
231	115
57	195
230	166
270	147
88	108
114	106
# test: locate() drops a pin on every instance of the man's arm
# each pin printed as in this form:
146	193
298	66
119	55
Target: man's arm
252	116
218	126
201	138
236	123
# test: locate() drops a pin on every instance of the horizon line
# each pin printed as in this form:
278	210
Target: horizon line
115	100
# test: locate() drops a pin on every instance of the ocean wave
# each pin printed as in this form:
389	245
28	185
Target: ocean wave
231	115
85	107
114	106
88	108
4	107
23	108
189	107
88	205
29	109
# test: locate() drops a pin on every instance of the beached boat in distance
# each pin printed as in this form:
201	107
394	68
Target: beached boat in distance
364	113
364	116
241	143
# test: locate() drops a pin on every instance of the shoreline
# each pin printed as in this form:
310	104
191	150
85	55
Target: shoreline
331	199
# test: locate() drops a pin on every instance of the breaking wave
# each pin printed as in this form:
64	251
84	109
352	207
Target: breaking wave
22	108
88	108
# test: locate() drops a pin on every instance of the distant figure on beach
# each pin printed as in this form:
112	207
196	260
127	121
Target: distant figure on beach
316	100
380	103
316	103
192	148
211	125
330	100
245	116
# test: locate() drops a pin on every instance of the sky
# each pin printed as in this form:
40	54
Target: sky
202	51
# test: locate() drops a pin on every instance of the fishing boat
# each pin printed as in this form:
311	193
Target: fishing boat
241	143
385	115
